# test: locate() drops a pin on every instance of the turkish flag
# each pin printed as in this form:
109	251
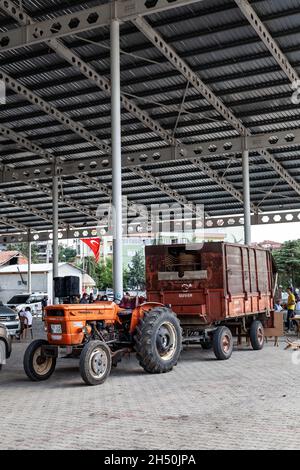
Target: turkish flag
94	245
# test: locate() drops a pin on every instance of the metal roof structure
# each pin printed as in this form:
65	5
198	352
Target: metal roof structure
200	80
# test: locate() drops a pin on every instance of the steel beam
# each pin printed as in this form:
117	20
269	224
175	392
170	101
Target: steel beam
27	208
182	66
95	184
13	223
222	182
80	21
53	112
75	61
36	149
147	176
258	142
45	171
267	39
210	223
64	199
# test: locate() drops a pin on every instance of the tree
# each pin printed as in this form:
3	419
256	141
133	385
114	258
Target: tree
102	272
136	272
24	249
287	260
104	275
66	254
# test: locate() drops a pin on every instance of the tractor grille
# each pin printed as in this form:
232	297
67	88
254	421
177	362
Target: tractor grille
55	313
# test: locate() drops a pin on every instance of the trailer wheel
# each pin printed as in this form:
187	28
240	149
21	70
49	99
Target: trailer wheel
95	363
257	338
222	343
158	340
36	366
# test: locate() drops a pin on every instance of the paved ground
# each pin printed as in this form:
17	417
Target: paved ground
251	401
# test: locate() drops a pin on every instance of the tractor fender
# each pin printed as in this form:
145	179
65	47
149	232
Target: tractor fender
138	312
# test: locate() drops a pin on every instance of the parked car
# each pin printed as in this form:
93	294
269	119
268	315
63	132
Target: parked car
10	319
34	301
110	294
5	344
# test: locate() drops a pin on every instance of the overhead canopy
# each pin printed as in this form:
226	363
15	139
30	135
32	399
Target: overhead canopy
59	109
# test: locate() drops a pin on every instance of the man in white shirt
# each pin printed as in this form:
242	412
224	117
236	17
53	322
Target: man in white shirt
27	317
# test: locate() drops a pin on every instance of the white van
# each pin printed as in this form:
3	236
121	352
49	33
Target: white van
34	301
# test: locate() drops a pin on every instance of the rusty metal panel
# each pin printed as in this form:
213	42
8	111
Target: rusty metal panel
237	280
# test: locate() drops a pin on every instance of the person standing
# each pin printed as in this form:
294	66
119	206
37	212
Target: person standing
84	299
26	322
291	305
44	305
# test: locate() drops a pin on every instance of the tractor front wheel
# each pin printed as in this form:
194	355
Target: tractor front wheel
37	366
95	363
158	340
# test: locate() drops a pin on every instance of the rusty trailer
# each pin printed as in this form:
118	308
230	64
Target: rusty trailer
218	290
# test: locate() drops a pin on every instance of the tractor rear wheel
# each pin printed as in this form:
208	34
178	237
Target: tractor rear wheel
257	338
158	340
95	363
36	366
222	343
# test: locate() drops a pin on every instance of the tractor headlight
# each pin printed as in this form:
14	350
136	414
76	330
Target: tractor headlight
56	329
87	329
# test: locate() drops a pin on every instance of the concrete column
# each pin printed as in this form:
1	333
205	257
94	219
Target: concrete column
116	159
55	230
246	193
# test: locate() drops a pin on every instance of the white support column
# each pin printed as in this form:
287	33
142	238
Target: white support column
116	159
29	283
55	231
246	193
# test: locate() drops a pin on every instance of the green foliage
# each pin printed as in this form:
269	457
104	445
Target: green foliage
104	276
102	272
66	254
24	249
136	272
287	260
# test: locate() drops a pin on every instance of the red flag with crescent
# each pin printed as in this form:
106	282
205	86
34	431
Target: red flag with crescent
94	245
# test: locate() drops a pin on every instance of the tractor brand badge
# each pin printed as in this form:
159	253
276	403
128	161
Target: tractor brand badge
186	287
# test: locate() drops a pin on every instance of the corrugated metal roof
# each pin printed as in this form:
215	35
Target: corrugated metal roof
218	43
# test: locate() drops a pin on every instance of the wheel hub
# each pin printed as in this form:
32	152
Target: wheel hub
163	340
41	364
260	336
98	363
226	343
166	341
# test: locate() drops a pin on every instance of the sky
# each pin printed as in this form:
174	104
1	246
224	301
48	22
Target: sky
275	232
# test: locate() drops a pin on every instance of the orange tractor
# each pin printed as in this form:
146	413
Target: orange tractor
100	334
205	294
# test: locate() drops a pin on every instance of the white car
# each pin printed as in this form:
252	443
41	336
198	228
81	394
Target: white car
34	301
